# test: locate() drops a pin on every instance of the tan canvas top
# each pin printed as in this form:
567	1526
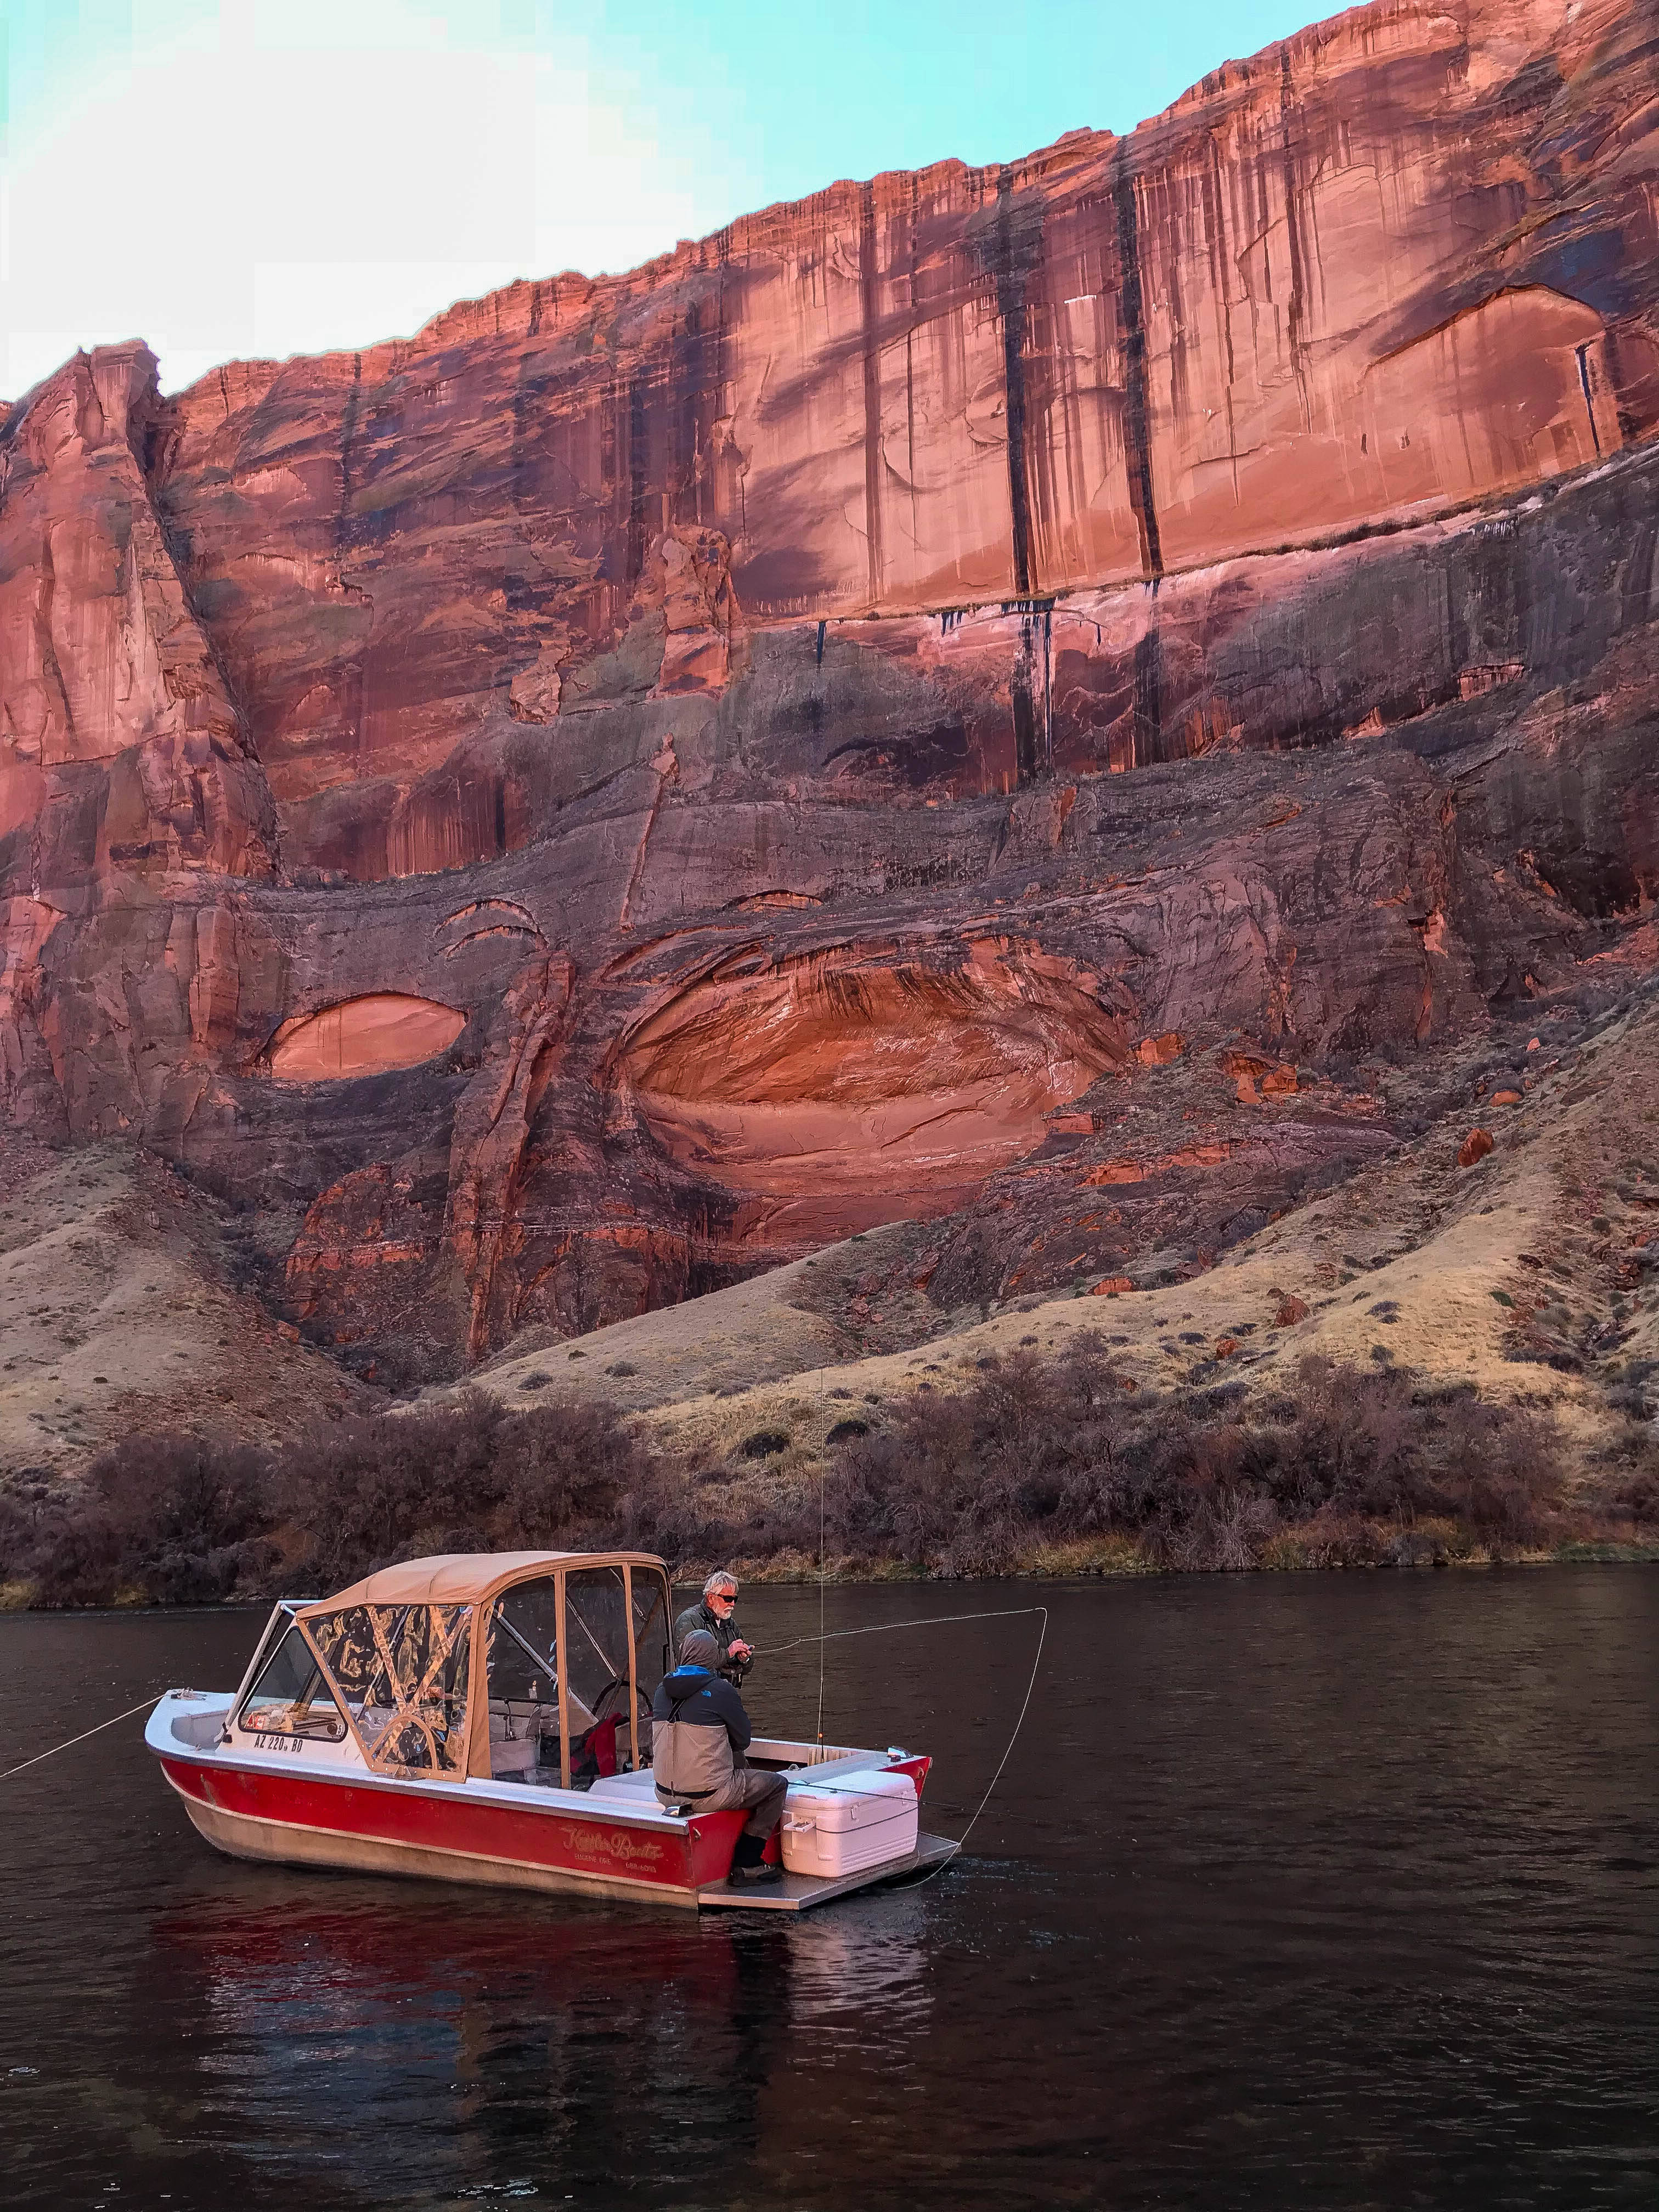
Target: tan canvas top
464	1577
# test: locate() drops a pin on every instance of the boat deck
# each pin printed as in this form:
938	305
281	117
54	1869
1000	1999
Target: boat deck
800	1893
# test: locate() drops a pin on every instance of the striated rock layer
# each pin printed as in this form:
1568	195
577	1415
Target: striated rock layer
652	774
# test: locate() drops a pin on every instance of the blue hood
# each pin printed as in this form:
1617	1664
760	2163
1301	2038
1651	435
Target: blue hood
686	1682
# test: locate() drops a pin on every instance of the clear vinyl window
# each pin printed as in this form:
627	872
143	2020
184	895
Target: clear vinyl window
524	1631
290	1697
404	1670
650	1631
522	1663
596	1645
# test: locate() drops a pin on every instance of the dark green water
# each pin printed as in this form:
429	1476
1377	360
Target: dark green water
1312	1891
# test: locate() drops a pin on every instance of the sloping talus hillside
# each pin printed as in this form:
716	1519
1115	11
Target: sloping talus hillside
986	696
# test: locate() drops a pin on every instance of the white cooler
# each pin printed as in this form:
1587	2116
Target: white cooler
847	1822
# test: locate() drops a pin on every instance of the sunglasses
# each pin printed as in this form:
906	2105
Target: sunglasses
723	1597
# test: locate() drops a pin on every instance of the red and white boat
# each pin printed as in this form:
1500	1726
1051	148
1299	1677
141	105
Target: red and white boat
486	1717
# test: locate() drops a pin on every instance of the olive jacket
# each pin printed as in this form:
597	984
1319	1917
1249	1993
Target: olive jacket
701	1616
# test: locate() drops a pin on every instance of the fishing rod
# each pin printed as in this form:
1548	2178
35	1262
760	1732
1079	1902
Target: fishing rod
924	1620
939	1620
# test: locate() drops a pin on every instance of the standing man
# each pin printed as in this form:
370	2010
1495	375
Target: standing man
714	1618
699	1734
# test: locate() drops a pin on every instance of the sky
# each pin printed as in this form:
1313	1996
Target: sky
251	179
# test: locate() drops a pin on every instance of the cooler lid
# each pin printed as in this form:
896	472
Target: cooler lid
853	1800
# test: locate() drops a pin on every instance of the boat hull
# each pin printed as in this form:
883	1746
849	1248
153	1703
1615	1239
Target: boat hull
494	1834
363	1827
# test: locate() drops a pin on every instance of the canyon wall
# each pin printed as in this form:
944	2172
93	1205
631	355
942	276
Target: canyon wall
656	772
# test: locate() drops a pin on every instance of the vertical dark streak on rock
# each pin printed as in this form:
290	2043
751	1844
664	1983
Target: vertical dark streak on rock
638	457
1486	609
1296	308
1148	714
822	627
870	317
1011	307
1024	712
716	408
351	675
527	392
1137	448
1580	355
348	431
1215	226
601	602
1630	427
522	401
1179	389
910	364
687	353
50	665
1048	688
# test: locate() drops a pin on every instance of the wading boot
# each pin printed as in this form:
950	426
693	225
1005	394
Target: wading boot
748	1871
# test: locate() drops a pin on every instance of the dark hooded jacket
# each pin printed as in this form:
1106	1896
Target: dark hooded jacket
699	1733
700	1616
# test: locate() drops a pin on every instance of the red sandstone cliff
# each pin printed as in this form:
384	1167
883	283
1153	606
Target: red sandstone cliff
615	789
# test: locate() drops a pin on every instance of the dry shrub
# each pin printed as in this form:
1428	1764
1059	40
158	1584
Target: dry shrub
1350	1467
178	1520
170	1518
467	1475
1040	1452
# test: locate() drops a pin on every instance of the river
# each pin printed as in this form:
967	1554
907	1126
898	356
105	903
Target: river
1322	1891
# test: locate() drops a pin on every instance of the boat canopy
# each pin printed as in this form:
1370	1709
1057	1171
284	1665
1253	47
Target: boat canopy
459	1577
475	1663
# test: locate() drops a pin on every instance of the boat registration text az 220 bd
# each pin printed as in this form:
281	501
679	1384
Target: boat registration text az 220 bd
486	1717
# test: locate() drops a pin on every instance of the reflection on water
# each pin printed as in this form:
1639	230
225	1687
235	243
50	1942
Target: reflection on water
1296	1892
409	2026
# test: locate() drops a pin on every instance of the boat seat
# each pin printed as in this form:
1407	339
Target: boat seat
642	1785
523	1717
518	1753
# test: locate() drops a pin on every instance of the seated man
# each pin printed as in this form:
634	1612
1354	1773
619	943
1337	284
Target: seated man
699	1734
714	1618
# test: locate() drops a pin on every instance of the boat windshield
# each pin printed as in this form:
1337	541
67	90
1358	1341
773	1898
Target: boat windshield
404	1671
290	1698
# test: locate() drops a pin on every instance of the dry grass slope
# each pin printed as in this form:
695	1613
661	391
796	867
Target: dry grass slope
119	1313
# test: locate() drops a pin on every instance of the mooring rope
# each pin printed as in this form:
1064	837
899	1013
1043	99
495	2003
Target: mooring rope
69	1742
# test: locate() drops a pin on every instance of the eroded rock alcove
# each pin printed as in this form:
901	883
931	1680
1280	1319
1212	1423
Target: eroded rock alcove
848	1087
368	1036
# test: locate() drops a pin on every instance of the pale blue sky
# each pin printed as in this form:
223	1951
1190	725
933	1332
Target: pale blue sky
258	178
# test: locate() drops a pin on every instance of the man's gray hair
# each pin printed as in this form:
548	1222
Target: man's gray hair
720	1580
